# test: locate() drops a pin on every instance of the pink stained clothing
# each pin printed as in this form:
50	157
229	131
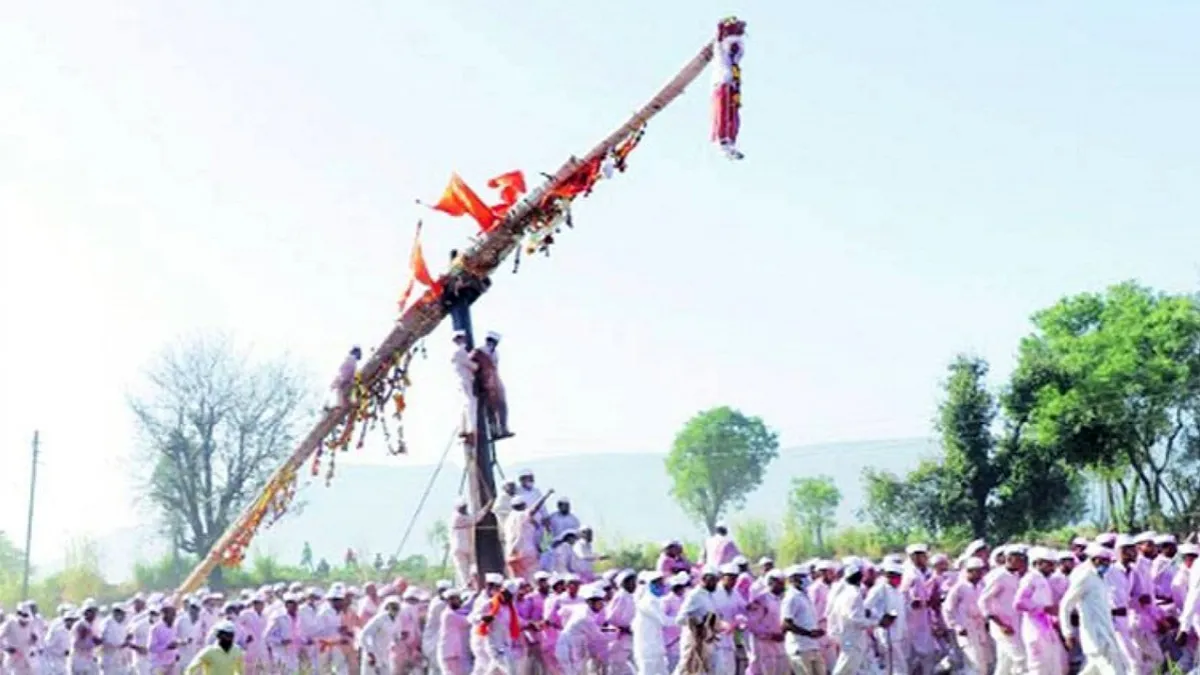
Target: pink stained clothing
162	654
1058	585
671	632
960	609
83	640
919	588
720	549
745	582
1162	573
253	625
666	565
996	598
554	613
818	593
764	623
1043	650
367	609
453	635
619	614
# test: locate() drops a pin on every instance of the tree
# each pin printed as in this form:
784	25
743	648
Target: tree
982	485
812	504
438	537
965	421
214	425
1111	381
306	556
718	458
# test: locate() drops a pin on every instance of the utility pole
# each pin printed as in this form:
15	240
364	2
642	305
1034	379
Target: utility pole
480	456
29	521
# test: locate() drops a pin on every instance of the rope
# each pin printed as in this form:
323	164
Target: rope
428	488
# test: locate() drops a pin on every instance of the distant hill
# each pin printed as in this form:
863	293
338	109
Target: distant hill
619	494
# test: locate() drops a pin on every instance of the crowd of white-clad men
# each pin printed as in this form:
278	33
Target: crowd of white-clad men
1119	604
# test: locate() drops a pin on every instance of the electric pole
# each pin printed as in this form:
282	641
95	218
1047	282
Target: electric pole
480	456
29	521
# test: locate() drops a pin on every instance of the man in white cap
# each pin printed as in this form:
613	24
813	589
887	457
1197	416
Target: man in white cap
765	620
17	636
452	652
84	640
113	633
253	623
581	640
1087	597
465	368
919	588
1044	654
222	658
649	622
1122	579
433	623
377	637
285	636
885	599
996	605
850	615
562	519
520	537
801	624
462	540
960	611
698	617
619	616
487	361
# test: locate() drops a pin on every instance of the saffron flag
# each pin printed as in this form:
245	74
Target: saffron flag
418	270
459	199
511	186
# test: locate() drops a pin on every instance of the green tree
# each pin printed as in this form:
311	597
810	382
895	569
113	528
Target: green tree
213	426
1111	381
306	556
718	458
965	421
812	504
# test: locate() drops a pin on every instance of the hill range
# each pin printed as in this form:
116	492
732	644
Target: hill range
621	495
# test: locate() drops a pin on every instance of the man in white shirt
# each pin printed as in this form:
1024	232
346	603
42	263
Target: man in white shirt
800	625
465	369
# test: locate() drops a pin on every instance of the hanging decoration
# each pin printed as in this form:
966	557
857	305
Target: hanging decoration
727	85
270	506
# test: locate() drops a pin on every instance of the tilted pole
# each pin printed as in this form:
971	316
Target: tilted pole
474	265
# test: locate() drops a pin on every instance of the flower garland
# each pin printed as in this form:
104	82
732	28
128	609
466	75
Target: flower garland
369	405
554	211
271	505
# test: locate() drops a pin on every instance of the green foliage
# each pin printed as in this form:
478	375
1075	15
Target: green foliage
718	458
755	537
1111	381
981	485
812	504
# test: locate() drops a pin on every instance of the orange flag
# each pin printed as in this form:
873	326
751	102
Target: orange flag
418	270
460	200
511	186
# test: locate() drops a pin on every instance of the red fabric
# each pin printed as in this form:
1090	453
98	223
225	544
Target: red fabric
579	182
514	625
726	118
418	271
511	186
460	200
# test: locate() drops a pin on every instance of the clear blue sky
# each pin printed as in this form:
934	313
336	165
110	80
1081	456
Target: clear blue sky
920	178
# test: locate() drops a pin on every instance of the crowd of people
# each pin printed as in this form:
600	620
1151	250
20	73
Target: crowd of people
1118	604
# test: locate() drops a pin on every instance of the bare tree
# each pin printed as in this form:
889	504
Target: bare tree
214	424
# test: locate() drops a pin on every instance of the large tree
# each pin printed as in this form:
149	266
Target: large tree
718	458
981	485
214	424
1111	381
812	503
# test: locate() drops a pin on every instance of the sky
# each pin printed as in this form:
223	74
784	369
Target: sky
920	178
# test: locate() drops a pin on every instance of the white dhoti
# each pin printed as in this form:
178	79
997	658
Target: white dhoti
1010	652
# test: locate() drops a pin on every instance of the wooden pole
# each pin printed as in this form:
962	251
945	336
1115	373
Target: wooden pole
29	520
421	319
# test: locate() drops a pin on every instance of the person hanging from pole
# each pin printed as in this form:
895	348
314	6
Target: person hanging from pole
465	367
491	388
343	382
727	85
462	540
